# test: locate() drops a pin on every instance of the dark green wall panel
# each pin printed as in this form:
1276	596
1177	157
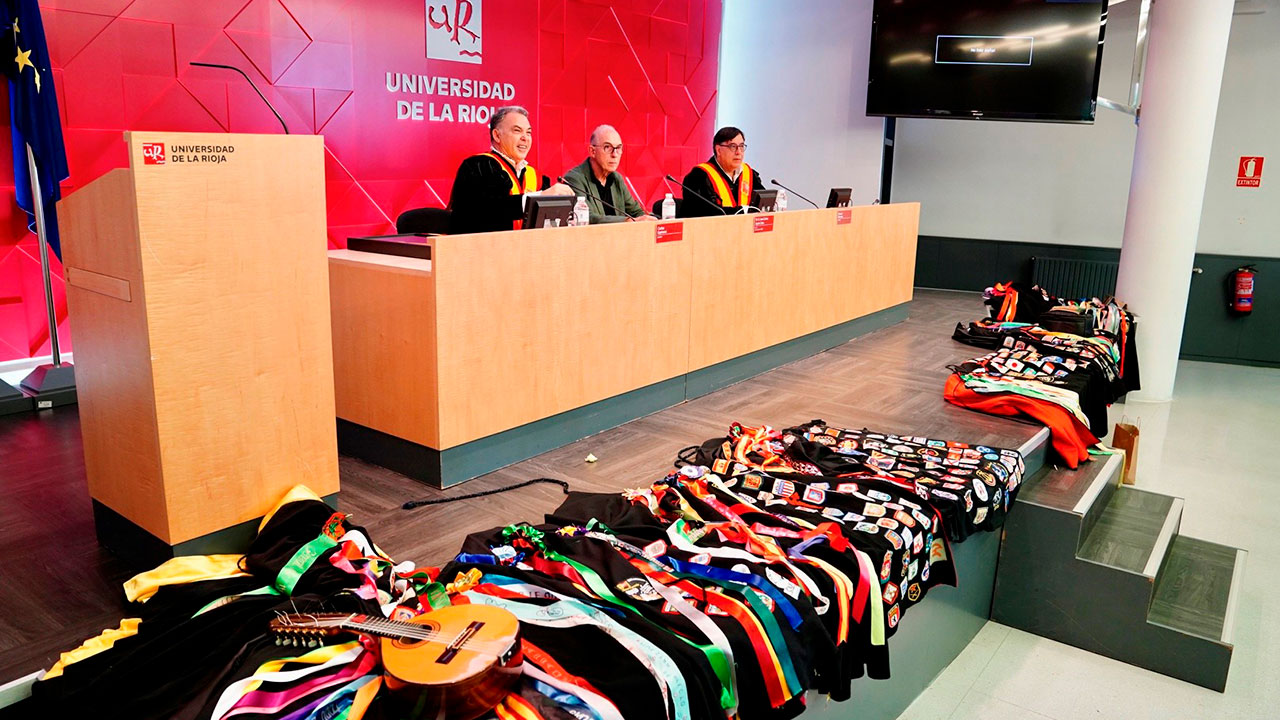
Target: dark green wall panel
1210	333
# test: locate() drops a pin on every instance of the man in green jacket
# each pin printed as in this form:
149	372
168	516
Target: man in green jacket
598	177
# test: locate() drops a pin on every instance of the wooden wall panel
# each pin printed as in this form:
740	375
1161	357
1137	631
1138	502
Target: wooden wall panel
754	290
237	296
534	323
384	343
113	366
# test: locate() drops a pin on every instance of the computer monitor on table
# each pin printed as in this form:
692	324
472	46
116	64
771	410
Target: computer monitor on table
840	197
548	211
766	200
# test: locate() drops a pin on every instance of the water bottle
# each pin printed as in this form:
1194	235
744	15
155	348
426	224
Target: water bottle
782	201
668	207
581	213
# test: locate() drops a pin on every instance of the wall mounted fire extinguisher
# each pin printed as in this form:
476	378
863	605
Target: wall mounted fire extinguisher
1240	284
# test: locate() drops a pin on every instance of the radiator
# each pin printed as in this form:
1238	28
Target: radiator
1075	279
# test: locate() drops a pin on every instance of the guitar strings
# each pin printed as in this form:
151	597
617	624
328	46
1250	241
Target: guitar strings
395	629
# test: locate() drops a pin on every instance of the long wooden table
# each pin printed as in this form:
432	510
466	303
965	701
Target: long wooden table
504	345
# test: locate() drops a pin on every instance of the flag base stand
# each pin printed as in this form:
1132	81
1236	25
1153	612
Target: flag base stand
12	400
51	386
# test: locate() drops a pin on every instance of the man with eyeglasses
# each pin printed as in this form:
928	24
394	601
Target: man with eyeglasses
490	188
725	179
598	180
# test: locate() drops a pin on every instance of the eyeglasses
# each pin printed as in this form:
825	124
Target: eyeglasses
610	148
734	147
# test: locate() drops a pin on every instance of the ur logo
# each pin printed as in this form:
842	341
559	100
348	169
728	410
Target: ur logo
453	30
153	153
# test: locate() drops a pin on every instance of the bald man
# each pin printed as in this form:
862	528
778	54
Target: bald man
598	180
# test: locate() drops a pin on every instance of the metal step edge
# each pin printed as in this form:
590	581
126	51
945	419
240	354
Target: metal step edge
1172	522
1104	477
1233	599
16	691
1034	442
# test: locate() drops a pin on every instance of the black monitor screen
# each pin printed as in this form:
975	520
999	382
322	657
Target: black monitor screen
992	59
548	211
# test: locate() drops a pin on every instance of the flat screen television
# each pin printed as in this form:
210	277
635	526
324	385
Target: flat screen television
1033	60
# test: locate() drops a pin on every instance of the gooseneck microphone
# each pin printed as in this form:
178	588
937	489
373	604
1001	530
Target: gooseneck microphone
774	181
255	89
604	202
700	196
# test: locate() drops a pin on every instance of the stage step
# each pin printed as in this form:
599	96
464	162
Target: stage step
1101	566
1198	589
1133	531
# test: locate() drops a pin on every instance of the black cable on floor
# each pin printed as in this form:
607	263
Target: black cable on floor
418	503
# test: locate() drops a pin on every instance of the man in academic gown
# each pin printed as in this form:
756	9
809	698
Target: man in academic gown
725	180
490	188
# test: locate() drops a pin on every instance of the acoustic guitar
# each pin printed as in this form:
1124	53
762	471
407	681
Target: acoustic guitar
456	662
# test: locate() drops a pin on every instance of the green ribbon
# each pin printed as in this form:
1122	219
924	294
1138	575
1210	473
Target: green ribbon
302	561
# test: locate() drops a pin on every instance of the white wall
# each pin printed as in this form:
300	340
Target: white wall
1069	184
793	76
1033	182
1243	221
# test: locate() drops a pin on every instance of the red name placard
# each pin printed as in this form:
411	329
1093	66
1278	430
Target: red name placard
1250	172
668	232
844	217
763	223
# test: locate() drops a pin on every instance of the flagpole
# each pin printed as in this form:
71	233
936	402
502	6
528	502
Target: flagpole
53	384
37	201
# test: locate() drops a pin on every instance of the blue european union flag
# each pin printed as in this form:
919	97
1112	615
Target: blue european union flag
33	111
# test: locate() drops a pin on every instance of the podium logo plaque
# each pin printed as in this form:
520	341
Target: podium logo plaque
153	154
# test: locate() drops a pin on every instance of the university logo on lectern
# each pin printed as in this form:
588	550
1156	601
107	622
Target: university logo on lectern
153	154
453	30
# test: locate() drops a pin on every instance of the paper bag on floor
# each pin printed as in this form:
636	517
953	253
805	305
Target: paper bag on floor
1126	438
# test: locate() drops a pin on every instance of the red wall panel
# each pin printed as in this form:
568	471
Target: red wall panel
646	66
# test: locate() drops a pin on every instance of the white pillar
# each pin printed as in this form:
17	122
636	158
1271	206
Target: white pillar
1185	56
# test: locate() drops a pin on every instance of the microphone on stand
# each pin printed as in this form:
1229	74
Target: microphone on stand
697	195
774	181
255	89
604	202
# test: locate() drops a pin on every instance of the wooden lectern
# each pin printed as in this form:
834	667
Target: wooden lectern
198	292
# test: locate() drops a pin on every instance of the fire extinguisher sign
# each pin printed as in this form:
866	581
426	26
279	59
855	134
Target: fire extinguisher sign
1250	172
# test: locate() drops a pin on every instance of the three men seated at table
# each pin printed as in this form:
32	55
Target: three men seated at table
491	188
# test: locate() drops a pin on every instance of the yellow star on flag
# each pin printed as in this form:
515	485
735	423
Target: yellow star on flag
24	60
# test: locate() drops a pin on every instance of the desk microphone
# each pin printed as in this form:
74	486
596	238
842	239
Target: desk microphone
701	197
255	89
774	181
604	202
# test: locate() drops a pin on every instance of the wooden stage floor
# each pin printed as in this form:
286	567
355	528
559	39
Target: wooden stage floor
60	587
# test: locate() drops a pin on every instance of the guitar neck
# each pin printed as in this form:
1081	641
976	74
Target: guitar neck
384	628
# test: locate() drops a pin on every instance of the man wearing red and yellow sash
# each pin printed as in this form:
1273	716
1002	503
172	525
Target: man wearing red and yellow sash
490	188
725	179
